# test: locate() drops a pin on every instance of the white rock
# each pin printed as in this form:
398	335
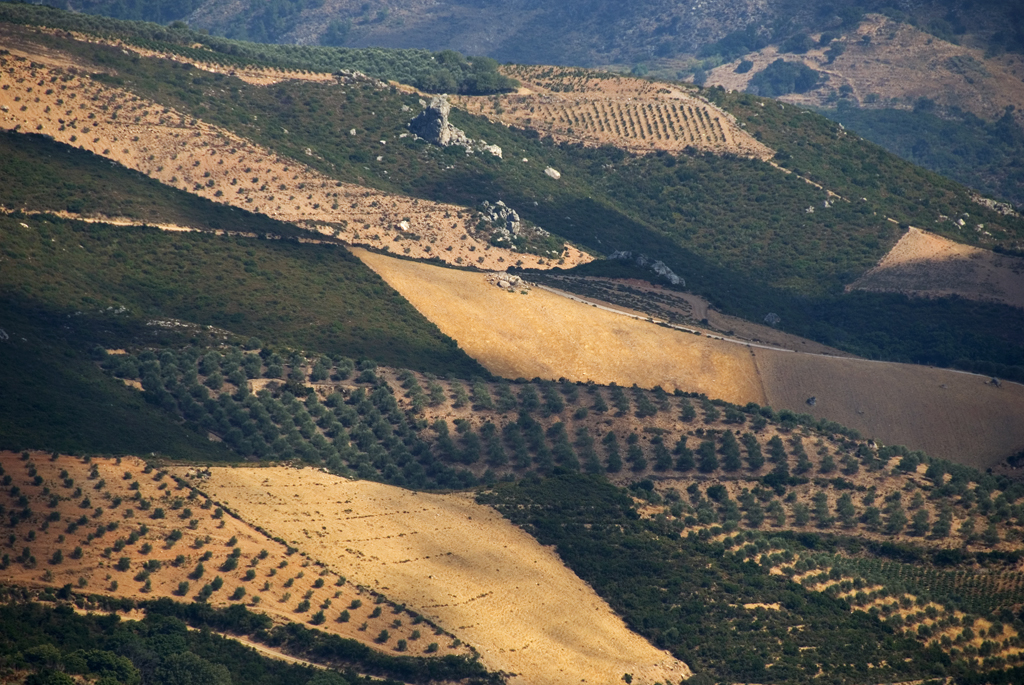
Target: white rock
553	173
403	225
352	132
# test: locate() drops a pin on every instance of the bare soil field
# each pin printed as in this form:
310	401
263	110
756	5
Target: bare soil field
547	336
634	114
131	513
899	64
459	563
928	265
202	159
948	414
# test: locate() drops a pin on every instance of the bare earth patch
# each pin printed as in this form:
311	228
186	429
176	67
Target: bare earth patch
460	564
928	265
949	414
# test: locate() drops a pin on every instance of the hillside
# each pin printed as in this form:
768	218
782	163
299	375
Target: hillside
606	195
264	358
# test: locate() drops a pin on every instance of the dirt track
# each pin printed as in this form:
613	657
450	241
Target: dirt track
459	563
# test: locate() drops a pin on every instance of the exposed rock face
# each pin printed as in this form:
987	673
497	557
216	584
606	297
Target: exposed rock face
644	262
502	216
433	126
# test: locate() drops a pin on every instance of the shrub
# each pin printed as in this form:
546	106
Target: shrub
238	594
123	564
382	637
318	618
344	617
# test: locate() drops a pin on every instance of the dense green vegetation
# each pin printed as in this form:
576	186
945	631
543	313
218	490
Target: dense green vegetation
54	396
782	78
49	641
446	71
687	596
39	174
307	296
980	154
70	287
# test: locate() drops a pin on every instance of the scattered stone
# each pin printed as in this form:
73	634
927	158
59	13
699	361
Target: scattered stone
773	319
553	173
493	149
507	281
403	225
644	262
352	132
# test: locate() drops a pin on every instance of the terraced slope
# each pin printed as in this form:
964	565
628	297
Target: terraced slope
457	562
119	528
600	109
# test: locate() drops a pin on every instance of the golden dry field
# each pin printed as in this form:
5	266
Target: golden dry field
634	114
131	512
948	414
45	96
544	335
459	563
928	265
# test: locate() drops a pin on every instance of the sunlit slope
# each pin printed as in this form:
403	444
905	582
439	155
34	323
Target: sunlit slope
459	563
948	414
547	336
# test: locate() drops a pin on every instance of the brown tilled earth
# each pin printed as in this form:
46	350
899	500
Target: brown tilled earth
928	265
900	65
948	414
951	415
214	163
630	113
459	563
109	500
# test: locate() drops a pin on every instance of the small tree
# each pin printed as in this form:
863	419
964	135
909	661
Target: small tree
318	618
383	637
123	564
57	558
182	590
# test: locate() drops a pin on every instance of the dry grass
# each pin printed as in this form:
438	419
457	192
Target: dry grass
634	114
191	155
948	414
928	265
900	64
547	336
95	571
457	562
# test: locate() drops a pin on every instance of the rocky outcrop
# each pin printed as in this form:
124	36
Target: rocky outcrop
645	262
502	217
432	125
507	281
